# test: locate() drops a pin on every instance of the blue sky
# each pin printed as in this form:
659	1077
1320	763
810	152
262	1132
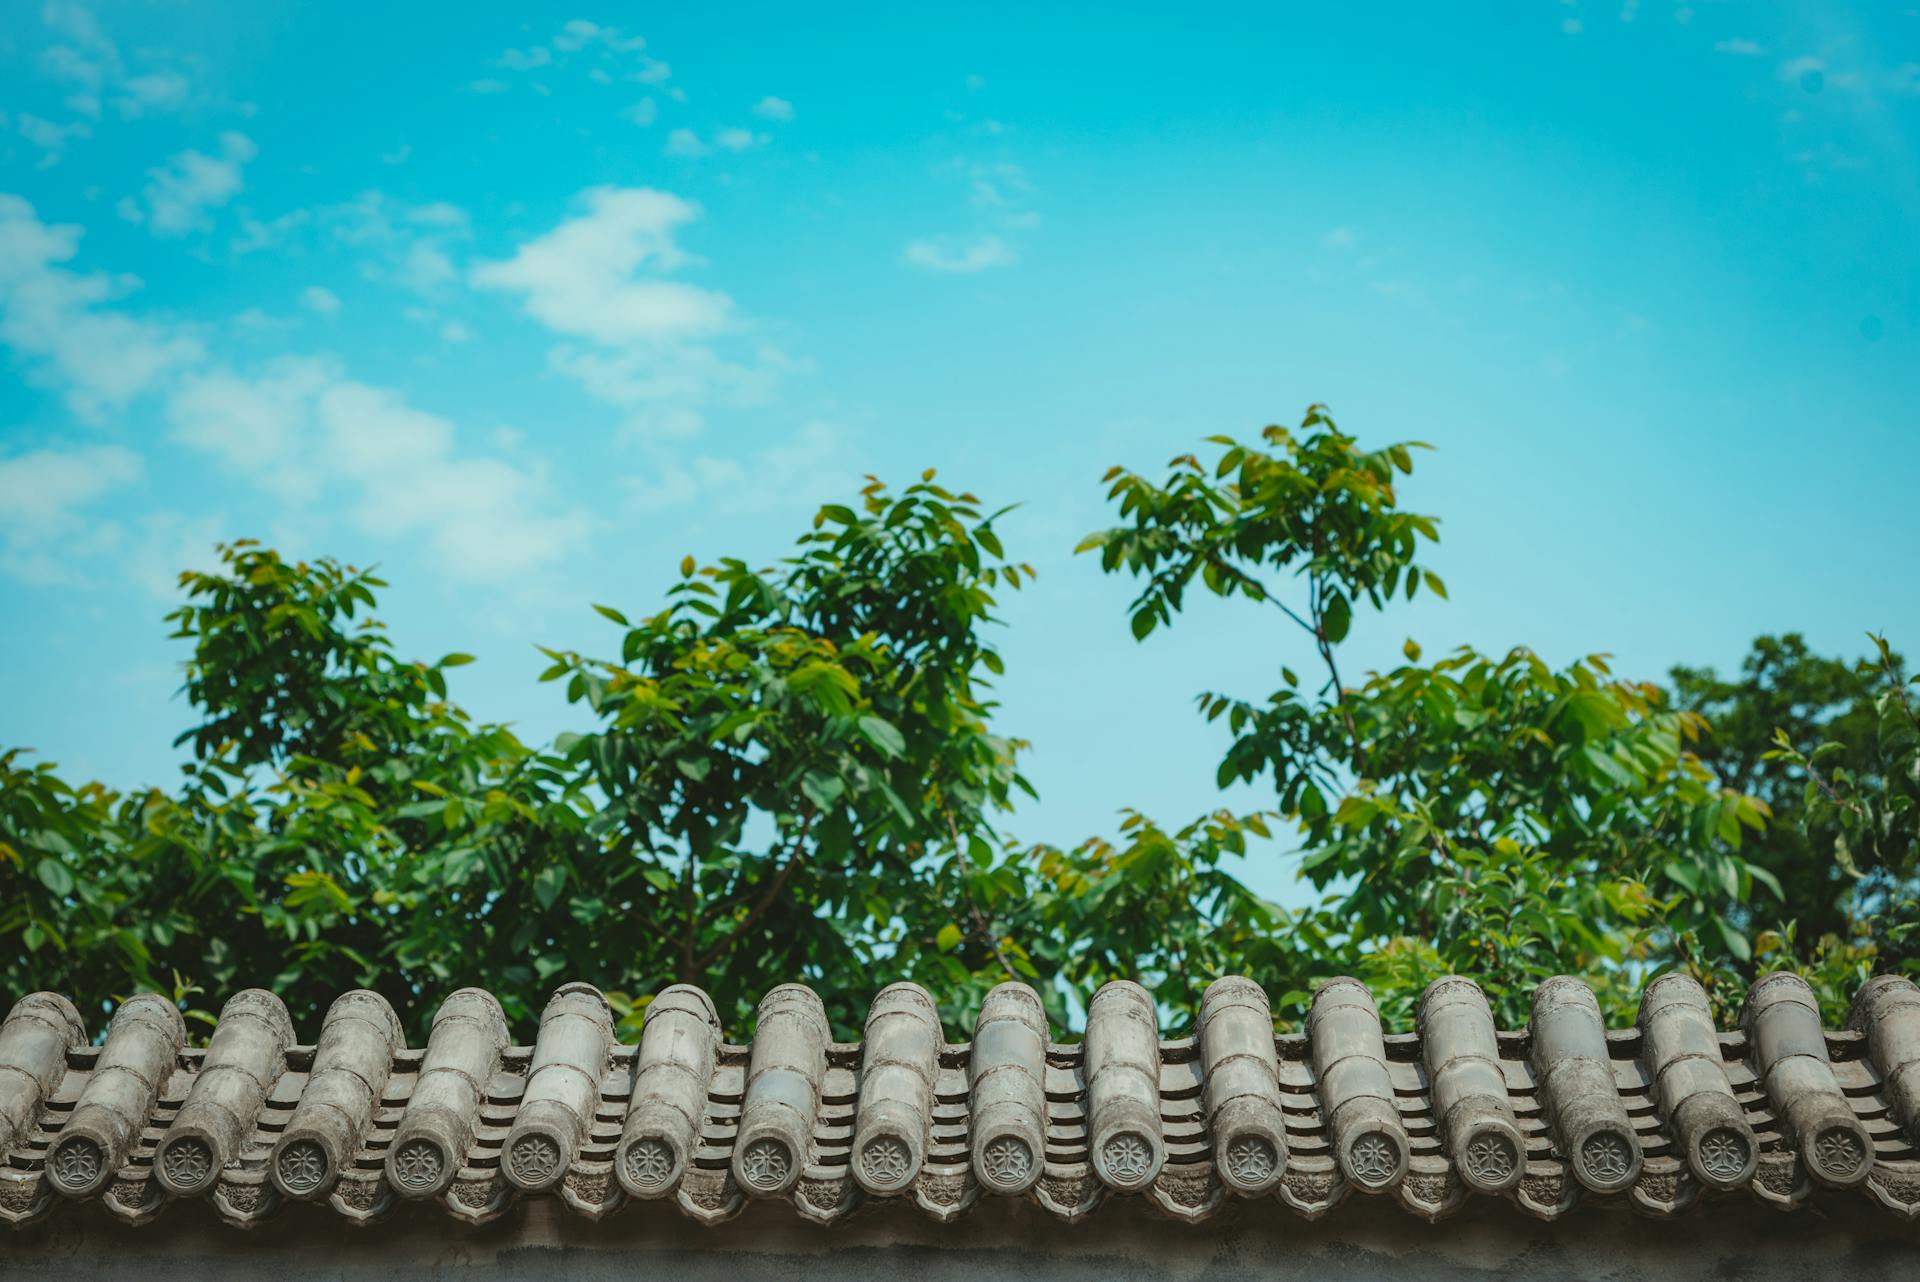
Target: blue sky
526	310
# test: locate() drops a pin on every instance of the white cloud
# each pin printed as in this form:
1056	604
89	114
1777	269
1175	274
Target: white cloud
665	384
479	515
488	86
582	278
179	196
42	531
684	142
1739	47
51	138
154	91
953	255
167	543
659	348
579	36
307	433
999	185
580	33
1812	75
526	59
98	359
255	425
406	245
1001	194
734	138
320	299
772	108
302	429
816	461
642	113
90	61
1339	238
256	235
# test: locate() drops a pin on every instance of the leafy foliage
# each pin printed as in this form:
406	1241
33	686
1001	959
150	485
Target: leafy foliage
781	753
794	772
1482	814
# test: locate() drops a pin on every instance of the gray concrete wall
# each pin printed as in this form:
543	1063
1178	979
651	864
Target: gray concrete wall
1364	1239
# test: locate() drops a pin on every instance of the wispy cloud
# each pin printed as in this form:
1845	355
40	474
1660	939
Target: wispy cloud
961	256
301	428
321	300
772	108
86	58
407	244
685	143
51	138
1739	47
306	430
615	56
58	323
180	196
43	497
999	195
1813	75
817	460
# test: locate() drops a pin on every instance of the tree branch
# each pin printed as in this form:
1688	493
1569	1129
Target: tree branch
980	924
766	901
1333	669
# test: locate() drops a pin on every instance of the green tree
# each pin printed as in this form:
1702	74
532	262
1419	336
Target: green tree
785	757
1483	814
1860	801
794	772
1783	687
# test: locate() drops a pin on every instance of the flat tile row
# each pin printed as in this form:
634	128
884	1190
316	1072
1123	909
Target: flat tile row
1656	1117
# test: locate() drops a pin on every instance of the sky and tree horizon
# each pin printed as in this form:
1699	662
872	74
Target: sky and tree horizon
524	311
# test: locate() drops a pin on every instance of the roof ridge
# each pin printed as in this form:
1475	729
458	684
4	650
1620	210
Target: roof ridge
1560	1112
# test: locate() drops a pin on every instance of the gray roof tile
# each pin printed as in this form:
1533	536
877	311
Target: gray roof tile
1653	1117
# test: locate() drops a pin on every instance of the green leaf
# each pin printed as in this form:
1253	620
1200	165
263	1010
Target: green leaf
948	939
1767	879
548	883
1685	876
883	735
821	788
1335	617
55	876
1735	941
454	661
608	611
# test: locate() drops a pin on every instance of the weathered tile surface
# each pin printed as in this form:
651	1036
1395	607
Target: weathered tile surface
1657	1117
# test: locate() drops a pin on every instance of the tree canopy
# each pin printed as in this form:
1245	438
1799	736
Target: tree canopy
796	771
